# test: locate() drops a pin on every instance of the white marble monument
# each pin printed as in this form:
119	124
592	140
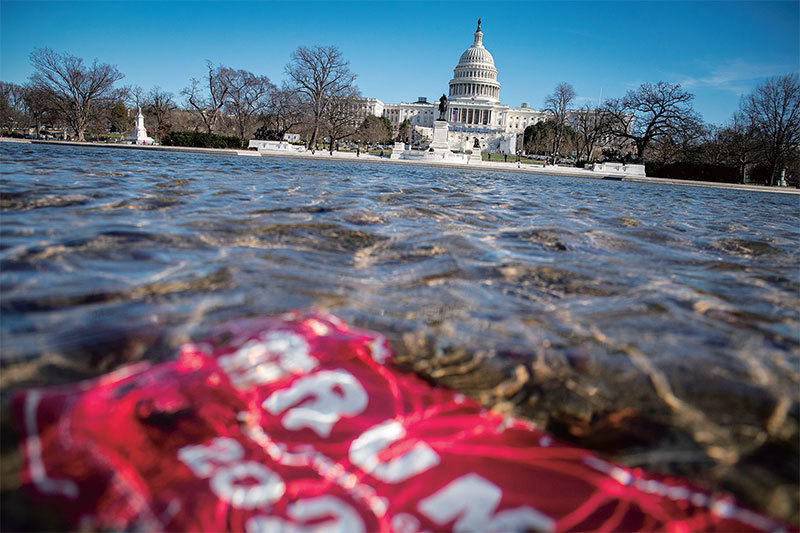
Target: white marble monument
617	168
275	146
438	151
139	132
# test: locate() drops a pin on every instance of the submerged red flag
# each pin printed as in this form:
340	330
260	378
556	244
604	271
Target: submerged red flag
301	423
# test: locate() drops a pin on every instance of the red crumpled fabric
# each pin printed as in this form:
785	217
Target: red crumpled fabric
301	423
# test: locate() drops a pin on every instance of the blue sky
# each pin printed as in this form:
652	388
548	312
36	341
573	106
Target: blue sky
717	50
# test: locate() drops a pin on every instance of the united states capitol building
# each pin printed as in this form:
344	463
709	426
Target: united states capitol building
474	110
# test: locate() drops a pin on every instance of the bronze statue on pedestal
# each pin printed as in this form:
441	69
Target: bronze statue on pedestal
443	108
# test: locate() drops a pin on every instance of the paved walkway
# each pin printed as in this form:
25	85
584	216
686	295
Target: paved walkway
491	166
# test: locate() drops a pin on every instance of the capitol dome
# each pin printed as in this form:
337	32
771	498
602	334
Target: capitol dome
477	56
475	76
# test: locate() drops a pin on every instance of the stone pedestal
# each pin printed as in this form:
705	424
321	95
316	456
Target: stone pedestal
439	143
275	146
620	168
397	150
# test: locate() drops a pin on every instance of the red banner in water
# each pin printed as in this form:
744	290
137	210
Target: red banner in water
300	424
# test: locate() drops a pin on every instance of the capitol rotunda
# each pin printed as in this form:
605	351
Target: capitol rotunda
474	111
474	90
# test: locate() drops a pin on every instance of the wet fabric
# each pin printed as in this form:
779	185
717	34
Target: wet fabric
301	423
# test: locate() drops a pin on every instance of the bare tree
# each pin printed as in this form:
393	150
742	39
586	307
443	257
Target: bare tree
136	96
248	97
712	149
160	104
37	105
649	112
12	106
321	74
341	117
285	110
738	145
185	120
558	105
773	113
680	144
590	126
75	91
209	96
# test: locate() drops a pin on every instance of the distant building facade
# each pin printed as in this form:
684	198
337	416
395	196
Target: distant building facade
369	107
420	113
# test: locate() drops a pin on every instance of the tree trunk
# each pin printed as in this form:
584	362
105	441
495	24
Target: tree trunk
640	152
556	146
241	132
79	126
773	167
313	143
206	121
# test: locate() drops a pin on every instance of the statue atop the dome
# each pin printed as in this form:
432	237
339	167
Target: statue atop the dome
443	107
478	36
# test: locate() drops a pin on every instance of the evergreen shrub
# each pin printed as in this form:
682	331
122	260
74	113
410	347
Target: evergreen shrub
200	140
693	171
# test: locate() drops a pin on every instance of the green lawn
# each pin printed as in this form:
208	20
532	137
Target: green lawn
511	159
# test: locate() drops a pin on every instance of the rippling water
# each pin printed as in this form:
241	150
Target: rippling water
656	324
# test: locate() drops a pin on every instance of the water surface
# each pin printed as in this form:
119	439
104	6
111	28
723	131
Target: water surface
655	324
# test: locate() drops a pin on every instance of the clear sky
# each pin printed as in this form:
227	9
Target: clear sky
717	50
